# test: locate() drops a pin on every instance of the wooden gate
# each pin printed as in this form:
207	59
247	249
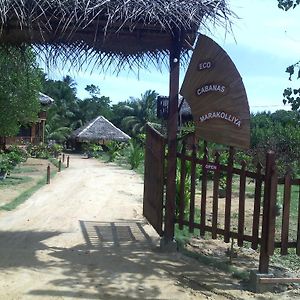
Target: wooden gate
154	178
253	216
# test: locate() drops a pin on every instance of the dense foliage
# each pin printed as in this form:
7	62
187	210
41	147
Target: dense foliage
280	132
291	96
19	87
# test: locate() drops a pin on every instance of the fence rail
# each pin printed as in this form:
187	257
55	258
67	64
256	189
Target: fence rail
259	215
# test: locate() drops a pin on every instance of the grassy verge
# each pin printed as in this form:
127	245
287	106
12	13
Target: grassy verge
14	180
183	236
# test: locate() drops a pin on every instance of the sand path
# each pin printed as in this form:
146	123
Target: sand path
84	237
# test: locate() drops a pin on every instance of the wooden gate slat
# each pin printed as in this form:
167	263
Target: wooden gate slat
241	222
228	196
272	213
298	230
286	214
193	190
216	183
203	191
154	179
182	187
256	208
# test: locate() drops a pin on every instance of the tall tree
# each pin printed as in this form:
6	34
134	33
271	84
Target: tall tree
95	105
291	96
19	87
140	111
63	115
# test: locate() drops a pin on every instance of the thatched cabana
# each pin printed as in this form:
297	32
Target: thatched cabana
98	130
117	33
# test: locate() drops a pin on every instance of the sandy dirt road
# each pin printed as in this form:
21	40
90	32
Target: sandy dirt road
84	237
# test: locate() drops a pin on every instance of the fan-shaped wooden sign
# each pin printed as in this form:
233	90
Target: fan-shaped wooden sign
216	94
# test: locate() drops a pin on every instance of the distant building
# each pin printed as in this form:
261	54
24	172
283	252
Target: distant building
98	130
33	133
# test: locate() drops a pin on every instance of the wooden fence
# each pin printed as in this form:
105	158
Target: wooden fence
255	219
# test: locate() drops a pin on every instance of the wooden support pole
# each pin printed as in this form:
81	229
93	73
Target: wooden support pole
63	158
172	132
59	165
268	222
68	161
48	174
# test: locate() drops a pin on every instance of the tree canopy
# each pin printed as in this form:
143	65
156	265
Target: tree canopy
291	96
19	88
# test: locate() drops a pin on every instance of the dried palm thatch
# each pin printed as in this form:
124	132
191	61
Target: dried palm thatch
99	130
133	32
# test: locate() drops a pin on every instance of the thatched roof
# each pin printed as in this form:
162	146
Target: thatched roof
111	31
99	129
45	99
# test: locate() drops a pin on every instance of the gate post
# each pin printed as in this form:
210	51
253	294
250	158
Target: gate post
172	135
269	215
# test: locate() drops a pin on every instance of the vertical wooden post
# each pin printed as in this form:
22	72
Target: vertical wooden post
193	190
68	161
256	209
203	191
63	158
182	186
268	222
59	165
48	174
228	195
172	131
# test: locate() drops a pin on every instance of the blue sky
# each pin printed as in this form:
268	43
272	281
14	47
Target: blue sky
265	41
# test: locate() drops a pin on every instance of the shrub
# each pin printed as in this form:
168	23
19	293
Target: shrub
44	151
135	154
6	165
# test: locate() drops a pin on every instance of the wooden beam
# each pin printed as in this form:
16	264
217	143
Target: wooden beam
172	132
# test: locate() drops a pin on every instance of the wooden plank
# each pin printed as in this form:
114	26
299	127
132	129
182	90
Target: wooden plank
203	191
298	230
216	183
256	208
286	214
182	187
228	195
193	190
264	256
241	220
154	179
272	211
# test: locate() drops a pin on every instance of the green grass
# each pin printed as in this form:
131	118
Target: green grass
183	236
26	194
23	169
14	180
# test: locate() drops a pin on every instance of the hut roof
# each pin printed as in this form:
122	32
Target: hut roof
99	129
45	99
133	32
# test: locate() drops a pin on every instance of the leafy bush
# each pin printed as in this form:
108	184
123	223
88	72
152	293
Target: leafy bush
6	164
92	149
17	155
113	149
135	154
44	151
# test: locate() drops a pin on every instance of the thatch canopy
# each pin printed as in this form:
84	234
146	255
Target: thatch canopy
133	32
45	100
99	130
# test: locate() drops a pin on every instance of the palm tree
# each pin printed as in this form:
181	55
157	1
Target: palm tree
140	111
